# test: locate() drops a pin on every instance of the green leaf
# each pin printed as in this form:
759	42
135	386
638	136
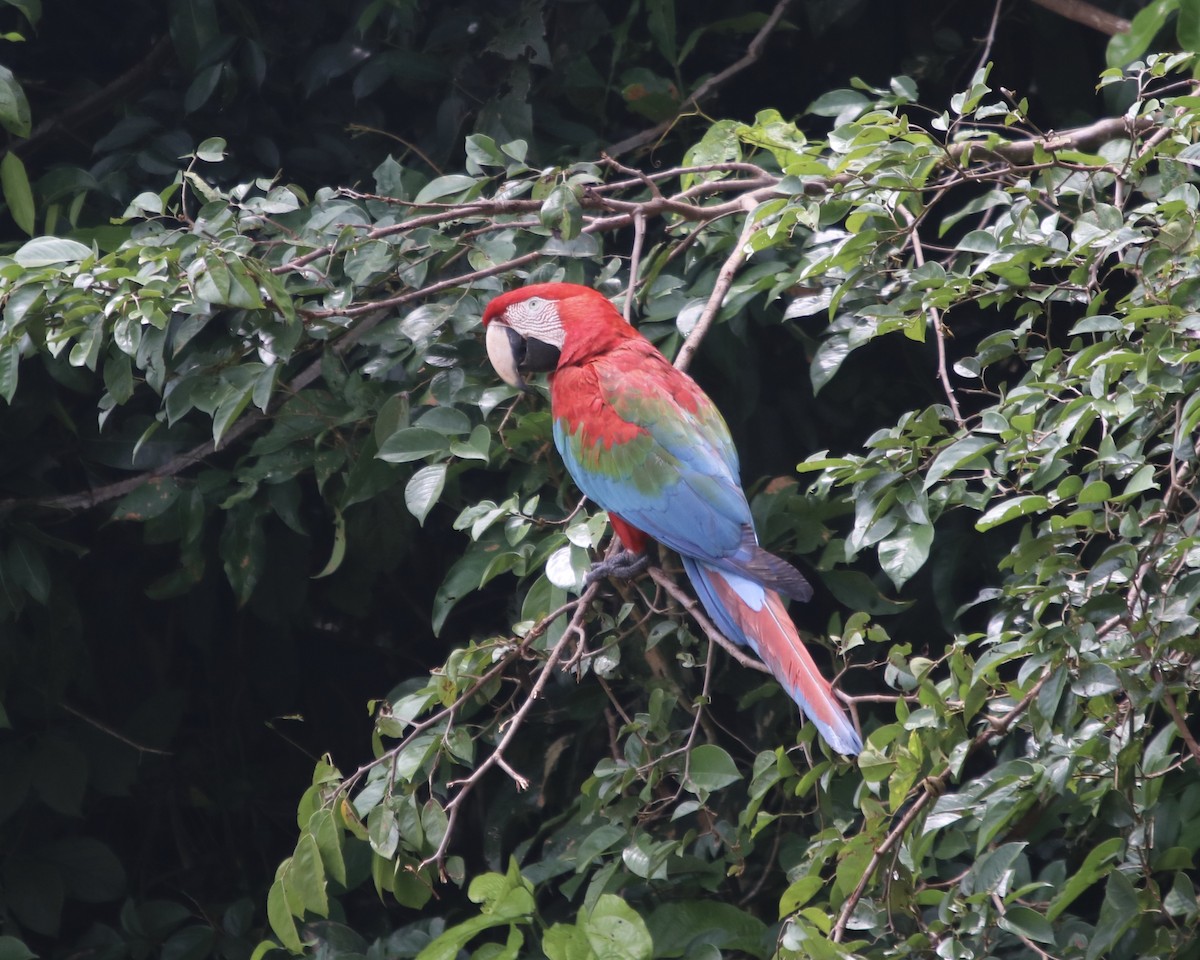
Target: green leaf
18	194
838	103
191	943
152	499
563	942
660	22
212	150
562	212
599	841
615	931
799	893
447	945
904	552
678	929
1011	509
329	838
1027	923
243	549
10	362
32	9
1095	865
448	421
828	360
1128	46
280	917
13	949
92	872
34	893
710	767
441	188
959	456
305	876
412	443
202	87
423	490
14	107
1098	491
338	552
25	564
1118	913
44	251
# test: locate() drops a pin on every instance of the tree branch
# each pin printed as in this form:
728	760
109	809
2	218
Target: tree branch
1088	14
708	87
511	726
1079	138
86	109
935	318
725	277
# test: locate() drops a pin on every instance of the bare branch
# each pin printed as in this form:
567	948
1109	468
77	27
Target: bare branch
1087	137
693	608
115	734
725	277
89	107
935	318
709	86
746	186
514	724
986	54
1088	14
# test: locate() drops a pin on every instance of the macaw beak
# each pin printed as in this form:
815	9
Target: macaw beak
512	355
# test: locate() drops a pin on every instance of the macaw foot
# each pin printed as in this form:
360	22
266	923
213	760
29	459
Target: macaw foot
624	566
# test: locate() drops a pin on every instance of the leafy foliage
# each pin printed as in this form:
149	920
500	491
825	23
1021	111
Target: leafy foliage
275	396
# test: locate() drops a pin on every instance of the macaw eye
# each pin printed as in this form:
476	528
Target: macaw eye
535	303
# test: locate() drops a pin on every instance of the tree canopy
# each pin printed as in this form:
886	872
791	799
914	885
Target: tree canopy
298	653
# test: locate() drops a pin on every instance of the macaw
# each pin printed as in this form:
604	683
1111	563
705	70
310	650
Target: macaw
644	442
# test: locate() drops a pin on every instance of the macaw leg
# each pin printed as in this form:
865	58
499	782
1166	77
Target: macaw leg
629	562
624	566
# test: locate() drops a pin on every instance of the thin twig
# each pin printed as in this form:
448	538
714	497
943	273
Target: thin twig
990	39
512	725
635	259
753	51
693	608
724	280
89	108
750	183
115	734
935	318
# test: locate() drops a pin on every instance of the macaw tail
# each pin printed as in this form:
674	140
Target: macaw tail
753	616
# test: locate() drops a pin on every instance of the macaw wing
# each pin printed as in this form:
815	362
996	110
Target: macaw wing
643	441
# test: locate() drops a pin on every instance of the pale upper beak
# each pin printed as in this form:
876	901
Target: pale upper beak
505	348
513	355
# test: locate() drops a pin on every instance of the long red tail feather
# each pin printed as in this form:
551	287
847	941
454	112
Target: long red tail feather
753	616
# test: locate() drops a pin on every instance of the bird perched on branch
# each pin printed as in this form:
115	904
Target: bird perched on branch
642	440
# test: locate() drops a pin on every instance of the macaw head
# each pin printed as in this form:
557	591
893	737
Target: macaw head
536	329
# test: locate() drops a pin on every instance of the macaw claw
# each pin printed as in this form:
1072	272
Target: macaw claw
624	566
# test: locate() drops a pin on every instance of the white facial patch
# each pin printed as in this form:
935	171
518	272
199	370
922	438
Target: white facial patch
537	319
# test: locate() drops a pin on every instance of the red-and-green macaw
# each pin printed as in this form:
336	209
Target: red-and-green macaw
643	441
